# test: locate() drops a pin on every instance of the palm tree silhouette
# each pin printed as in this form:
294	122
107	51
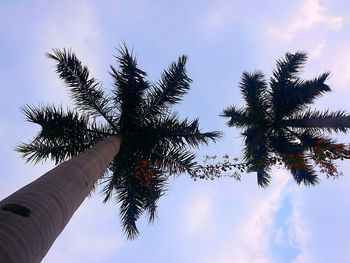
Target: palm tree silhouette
136	129
277	118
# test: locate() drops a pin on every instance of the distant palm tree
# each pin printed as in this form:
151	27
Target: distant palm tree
138	130
277	119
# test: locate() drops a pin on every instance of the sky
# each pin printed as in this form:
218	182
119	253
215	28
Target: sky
198	221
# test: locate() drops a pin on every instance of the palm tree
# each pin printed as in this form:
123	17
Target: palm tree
140	143
277	118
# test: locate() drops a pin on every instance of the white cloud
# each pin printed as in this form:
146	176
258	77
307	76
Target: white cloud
298	235
309	15
319	224
220	16
341	68
198	213
251	239
316	51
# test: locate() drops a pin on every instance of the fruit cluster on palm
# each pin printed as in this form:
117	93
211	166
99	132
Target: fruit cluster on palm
137	110
277	119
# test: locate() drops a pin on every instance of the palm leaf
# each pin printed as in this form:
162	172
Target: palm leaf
302	93
253	88
256	154
238	117
326	121
129	89
86	92
283	80
179	133
62	135
173	85
307	176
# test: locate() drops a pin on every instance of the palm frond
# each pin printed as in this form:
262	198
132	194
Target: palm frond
156	189
86	92
256	154
262	175
238	117
288	67
283	80
312	138
129	88
254	136
134	196
307	176
285	143
282	145
173	85
253	88
302	93
175	160
62	135
263	178
327	121
55	122
37	151
179	132
131	208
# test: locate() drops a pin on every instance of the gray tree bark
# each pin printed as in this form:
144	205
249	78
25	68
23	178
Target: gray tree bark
33	217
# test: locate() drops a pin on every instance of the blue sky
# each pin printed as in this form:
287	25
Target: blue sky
219	221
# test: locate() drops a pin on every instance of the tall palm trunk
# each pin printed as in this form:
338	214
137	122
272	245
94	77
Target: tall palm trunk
32	218
320	122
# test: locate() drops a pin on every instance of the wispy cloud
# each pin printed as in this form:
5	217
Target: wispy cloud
219	17
198	213
341	68
309	15
297	229
319	224
316	51
251	242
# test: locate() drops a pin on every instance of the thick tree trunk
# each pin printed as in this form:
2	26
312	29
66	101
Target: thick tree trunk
32	218
321	122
